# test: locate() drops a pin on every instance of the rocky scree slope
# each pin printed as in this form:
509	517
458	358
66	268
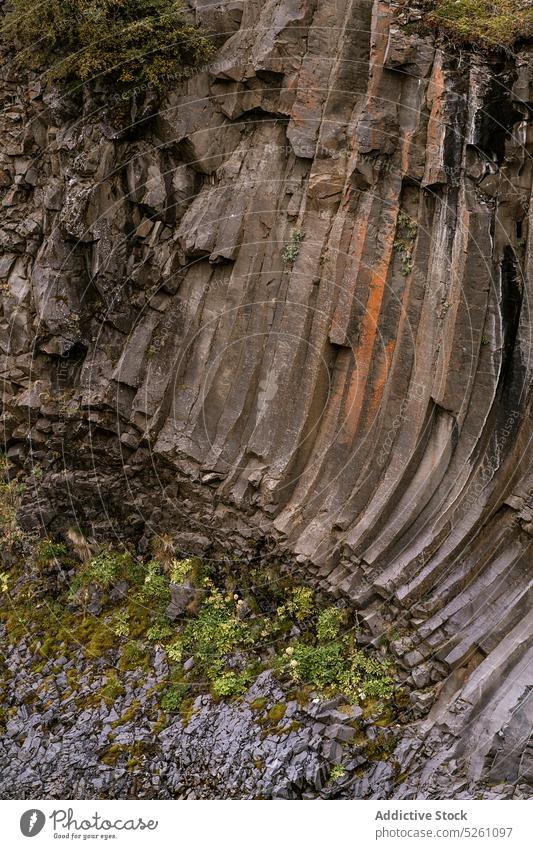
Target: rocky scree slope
289	307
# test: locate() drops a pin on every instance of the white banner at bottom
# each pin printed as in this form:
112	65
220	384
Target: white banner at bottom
255	825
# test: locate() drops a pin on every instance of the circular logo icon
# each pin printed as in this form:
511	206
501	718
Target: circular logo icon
32	822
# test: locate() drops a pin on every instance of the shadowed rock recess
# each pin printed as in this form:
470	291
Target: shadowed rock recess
283	316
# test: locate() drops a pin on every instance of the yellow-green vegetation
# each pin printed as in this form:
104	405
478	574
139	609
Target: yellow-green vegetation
111	615
128	715
406	233
112	689
135	753
337	772
121	43
134	655
276	713
244	622
333	663
273	721
48	552
292	248
491	23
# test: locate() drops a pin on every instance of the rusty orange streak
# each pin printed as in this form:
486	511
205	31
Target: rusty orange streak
385	362
343	309
363	354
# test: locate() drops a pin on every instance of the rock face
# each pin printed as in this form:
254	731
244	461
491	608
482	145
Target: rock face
290	309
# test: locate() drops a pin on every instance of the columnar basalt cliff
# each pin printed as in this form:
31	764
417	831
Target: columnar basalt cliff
286	310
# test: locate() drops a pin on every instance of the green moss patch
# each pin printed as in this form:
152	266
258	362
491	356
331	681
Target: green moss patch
490	23
110	619
244	622
122	45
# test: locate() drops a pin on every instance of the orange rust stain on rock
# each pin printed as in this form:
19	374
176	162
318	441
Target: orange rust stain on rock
343	309
364	352
436	127
381	379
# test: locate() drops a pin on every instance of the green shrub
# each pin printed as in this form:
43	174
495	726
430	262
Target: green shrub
299	606
215	633
329	624
161	629
10	497
156	587
366	676
292	248
125	43
491	23
172	699
338	667
408	225
181	570
337	772
107	568
175	651
120	623
407	230
48	550
321	666
230	684
301	603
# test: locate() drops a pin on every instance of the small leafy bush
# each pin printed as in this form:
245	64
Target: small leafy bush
408	225
329	624
367	676
175	651
172	699
160	630
338	667
47	550
215	633
321	666
124	43
156	587
107	568
181	570
120	624
338	771
230	684
300	604
10	497
407	230
292	248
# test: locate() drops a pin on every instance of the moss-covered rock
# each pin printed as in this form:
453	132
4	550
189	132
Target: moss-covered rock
490	23
120	45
